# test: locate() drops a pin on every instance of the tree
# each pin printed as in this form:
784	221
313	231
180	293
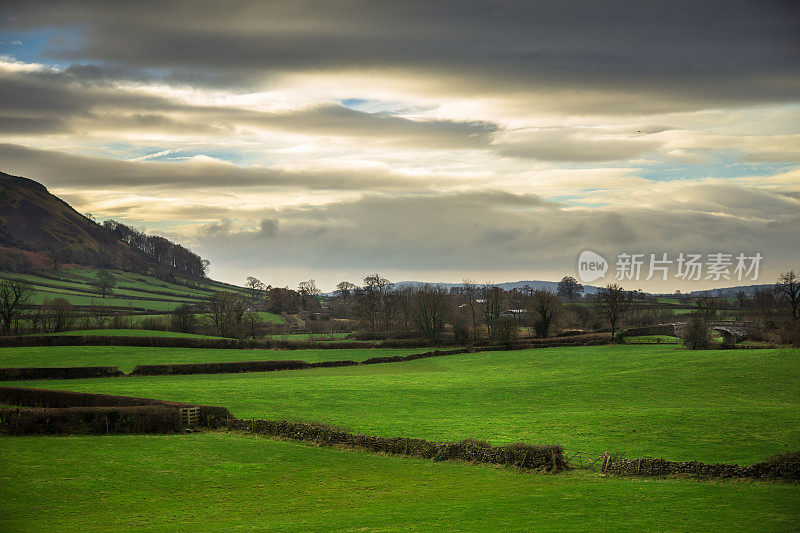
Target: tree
104	281
612	303
308	291
374	306
56	315
544	307
569	288
492	306
225	311
344	289
255	285
697	335
504	329
431	310
470	292
741	296
250	322
183	319
788	287
14	294
707	307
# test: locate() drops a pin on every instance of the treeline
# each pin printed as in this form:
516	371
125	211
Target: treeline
168	259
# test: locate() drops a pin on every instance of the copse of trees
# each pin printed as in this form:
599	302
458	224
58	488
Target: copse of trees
168	259
569	288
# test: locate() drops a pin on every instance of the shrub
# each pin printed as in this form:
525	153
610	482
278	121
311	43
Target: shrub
90	420
697	335
217	368
69	372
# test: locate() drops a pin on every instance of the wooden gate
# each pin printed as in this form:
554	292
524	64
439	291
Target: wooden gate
189	416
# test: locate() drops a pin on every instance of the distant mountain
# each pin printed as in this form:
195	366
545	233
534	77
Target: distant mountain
730	292
33	220
551	286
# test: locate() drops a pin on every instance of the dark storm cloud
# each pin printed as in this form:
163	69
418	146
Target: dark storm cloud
59	169
695	53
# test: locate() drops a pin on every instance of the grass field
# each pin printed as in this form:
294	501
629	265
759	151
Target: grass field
126	357
134	290
226	482
131	333
736	406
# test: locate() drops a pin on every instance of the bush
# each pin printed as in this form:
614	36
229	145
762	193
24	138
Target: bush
69	372
90	420
217	368
697	335
44	398
548	458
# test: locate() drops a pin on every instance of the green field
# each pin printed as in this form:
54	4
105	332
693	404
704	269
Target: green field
126	357
130	333
226	482
136	291
736	406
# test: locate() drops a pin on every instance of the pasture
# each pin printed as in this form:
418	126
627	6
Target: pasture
127	357
737	406
233	481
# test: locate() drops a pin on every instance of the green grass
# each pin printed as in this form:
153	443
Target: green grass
736	406
130	333
126	357
653	338
224	482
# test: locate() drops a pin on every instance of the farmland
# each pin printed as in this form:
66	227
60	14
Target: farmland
732	406
232	481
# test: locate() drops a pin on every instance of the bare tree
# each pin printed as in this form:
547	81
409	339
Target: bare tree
612	303
707	307
569	288
788	287
250	322
431	311
741	296
56	315
183	319
544	307
255	285
766	308
308	291
344	290
225	311
470	292
492	306
14	295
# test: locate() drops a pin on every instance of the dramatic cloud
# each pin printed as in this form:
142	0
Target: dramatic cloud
430	140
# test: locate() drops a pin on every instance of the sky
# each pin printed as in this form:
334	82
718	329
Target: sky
431	141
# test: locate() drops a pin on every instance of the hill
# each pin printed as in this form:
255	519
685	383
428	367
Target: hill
39	230
33	220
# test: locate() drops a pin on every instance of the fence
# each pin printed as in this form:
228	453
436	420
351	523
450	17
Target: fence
189	416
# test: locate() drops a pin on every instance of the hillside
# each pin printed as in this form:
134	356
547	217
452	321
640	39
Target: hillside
33	220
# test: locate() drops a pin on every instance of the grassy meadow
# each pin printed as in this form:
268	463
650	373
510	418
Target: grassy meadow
736	406
127	357
213	481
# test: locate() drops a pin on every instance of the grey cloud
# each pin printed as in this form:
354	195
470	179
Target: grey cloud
692	53
491	232
60	169
73	99
566	145
381	127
